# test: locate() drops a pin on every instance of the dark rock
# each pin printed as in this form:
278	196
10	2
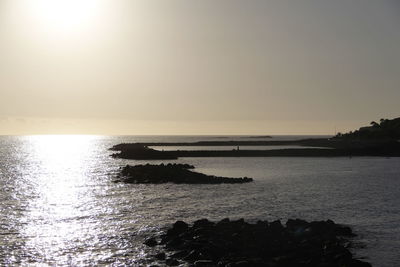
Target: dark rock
358	263
344	231
262	223
223	221
193	256
175	242
297	223
171	173
180	226
151	242
179	254
238	243
160	256
140	152
276	226
172	262
202	223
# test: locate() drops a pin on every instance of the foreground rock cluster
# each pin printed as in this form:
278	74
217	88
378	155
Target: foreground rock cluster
171	173
241	244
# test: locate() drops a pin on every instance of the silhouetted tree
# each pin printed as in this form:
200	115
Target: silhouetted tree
386	129
374	124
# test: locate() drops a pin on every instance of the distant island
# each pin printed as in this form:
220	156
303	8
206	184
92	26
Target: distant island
258	136
378	139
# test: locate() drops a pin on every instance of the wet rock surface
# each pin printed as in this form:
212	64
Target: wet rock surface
171	173
238	243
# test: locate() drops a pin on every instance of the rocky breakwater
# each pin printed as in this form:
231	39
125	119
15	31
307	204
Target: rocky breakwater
238	243
171	173
140	152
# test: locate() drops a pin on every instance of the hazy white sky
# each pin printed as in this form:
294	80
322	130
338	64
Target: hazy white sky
197	67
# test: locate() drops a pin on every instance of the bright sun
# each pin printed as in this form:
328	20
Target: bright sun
65	15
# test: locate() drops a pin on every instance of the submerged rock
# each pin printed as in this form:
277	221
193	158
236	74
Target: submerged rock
238	243
172	173
151	242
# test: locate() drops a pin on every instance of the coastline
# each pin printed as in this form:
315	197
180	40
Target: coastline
322	148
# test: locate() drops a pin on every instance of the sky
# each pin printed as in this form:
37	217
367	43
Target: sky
197	67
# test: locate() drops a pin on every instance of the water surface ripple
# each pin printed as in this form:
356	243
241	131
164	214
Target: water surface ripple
59	205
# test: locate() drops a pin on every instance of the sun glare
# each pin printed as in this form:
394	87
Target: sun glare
65	16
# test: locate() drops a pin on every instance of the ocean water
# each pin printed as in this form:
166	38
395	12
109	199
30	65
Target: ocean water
59	205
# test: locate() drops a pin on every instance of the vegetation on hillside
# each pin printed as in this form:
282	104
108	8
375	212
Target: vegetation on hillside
385	129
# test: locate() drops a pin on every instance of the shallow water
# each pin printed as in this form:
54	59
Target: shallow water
59	204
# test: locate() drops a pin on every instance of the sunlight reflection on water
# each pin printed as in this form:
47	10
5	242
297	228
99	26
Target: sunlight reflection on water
60	178
72	215
60	207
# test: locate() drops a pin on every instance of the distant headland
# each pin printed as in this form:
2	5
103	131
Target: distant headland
378	139
384	130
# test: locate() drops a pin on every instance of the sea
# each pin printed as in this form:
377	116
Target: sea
60	207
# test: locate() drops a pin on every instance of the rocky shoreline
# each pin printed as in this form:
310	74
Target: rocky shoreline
240	244
172	173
